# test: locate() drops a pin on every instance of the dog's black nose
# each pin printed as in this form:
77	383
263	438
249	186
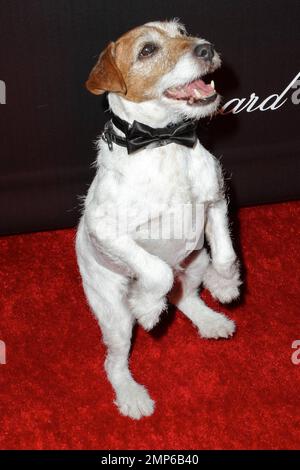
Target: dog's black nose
204	51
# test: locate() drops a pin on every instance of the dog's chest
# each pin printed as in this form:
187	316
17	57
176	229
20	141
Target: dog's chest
162	193
167	226
161	176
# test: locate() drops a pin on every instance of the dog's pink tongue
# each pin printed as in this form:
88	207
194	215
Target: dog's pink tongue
204	89
193	90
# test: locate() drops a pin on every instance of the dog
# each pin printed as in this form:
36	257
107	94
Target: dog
150	162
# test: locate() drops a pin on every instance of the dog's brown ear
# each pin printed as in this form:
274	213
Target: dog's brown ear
105	75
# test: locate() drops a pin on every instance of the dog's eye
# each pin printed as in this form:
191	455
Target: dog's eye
182	31
147	50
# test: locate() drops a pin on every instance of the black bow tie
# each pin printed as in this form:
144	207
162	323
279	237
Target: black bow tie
139	136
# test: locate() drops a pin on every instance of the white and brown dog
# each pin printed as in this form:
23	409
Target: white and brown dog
154	78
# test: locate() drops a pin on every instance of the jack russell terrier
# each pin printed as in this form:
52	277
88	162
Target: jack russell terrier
150	164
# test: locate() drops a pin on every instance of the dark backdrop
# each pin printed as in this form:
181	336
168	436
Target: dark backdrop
49	121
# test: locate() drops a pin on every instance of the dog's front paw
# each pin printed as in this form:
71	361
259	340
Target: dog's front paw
151	317
146	307
226	268
222	288
156	277
147	294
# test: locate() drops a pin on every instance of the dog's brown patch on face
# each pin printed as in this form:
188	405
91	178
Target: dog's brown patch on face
141	75
123	72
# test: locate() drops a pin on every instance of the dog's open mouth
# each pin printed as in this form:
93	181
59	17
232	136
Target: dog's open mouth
196	91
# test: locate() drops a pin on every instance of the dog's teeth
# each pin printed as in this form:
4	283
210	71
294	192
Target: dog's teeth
197	94
212	84
191	100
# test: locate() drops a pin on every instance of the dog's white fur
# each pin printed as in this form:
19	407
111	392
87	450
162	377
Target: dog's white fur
126	278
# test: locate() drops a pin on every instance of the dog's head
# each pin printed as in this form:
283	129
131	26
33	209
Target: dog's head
159	62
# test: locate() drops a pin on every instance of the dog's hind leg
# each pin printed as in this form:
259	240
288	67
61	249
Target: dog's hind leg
186	297
116	322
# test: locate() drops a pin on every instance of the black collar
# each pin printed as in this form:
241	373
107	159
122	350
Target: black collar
139	136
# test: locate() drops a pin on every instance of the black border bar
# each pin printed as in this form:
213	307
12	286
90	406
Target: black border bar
136	458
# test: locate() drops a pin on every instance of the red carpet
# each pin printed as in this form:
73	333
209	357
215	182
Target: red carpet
241	393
